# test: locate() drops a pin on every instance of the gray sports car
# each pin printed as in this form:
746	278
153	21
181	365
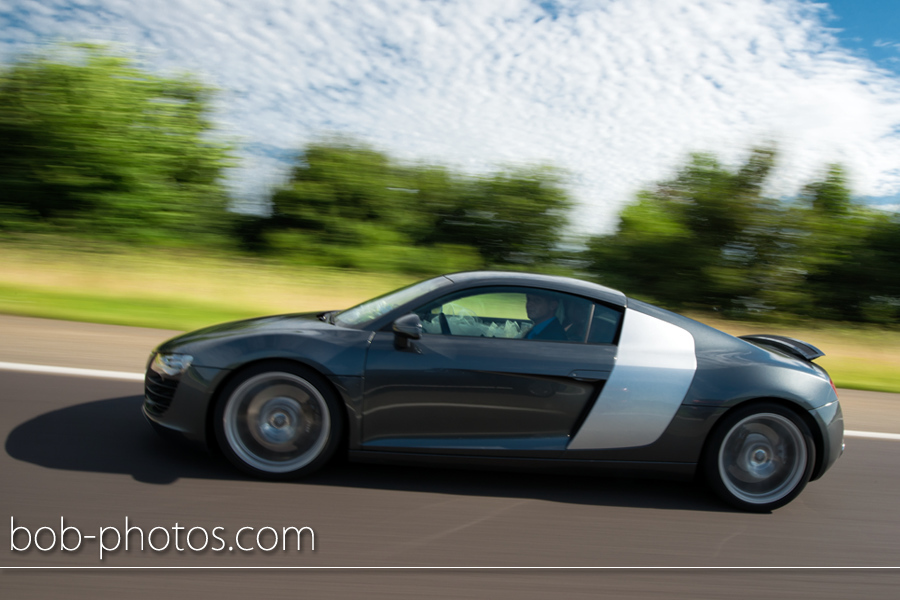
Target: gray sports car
505	369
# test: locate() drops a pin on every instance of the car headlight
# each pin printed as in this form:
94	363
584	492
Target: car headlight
171	364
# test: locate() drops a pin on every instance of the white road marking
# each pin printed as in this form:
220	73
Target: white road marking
122	375
7	366
871	434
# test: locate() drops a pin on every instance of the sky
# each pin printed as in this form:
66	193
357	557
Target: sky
869	27
617	93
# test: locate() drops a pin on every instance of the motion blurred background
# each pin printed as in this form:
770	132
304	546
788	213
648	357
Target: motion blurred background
175	164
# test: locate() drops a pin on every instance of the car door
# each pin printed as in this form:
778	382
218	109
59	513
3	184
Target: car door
474	384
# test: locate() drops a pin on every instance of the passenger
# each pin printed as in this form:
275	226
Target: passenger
577	315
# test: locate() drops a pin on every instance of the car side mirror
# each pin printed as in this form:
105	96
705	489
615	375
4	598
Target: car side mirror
409	326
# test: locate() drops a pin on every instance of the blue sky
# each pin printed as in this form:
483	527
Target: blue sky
871	27
616	92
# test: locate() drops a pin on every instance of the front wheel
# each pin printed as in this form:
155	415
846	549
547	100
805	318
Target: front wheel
278	422
760	457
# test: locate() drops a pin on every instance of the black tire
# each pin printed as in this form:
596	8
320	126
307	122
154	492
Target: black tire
760	457
278	421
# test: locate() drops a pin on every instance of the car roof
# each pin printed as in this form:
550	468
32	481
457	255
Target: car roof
550	282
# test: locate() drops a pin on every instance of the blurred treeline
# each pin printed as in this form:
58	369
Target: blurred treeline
710	238
350	206
91	146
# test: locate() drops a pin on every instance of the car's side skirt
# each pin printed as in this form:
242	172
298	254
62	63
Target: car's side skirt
664	470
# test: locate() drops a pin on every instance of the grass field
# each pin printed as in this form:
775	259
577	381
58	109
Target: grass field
171	290
184	290
856	357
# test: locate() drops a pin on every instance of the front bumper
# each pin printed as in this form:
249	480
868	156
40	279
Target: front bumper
181	405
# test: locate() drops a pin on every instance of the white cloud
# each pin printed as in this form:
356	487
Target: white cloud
617	92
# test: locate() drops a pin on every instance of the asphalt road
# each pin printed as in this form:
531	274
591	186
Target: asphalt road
77	448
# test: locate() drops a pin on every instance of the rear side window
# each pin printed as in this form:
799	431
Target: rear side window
604	325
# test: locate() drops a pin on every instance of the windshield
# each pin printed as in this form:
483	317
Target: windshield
368	311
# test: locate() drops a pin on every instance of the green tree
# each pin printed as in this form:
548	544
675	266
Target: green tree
92	144
345	193
711	239
884	244
847	254
349	205
703	238
513	217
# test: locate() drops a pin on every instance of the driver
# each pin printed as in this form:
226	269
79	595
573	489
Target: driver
541	309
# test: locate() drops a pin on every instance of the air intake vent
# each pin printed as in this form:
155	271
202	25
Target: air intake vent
158	392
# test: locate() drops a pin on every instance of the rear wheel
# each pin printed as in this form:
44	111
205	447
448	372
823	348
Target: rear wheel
278	421
760	457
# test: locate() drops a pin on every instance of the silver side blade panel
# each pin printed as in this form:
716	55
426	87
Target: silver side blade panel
655	365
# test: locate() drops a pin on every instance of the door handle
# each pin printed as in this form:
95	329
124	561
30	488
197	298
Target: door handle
588	375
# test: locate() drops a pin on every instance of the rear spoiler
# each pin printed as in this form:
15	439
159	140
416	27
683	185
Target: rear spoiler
785	344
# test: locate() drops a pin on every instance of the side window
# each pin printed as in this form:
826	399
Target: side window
604	325
487	314
521	313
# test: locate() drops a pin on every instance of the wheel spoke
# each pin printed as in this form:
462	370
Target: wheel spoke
276	422
762	458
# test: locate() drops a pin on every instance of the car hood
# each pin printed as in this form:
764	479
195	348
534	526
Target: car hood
236	329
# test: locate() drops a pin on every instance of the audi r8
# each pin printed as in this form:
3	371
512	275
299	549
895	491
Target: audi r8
498	370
